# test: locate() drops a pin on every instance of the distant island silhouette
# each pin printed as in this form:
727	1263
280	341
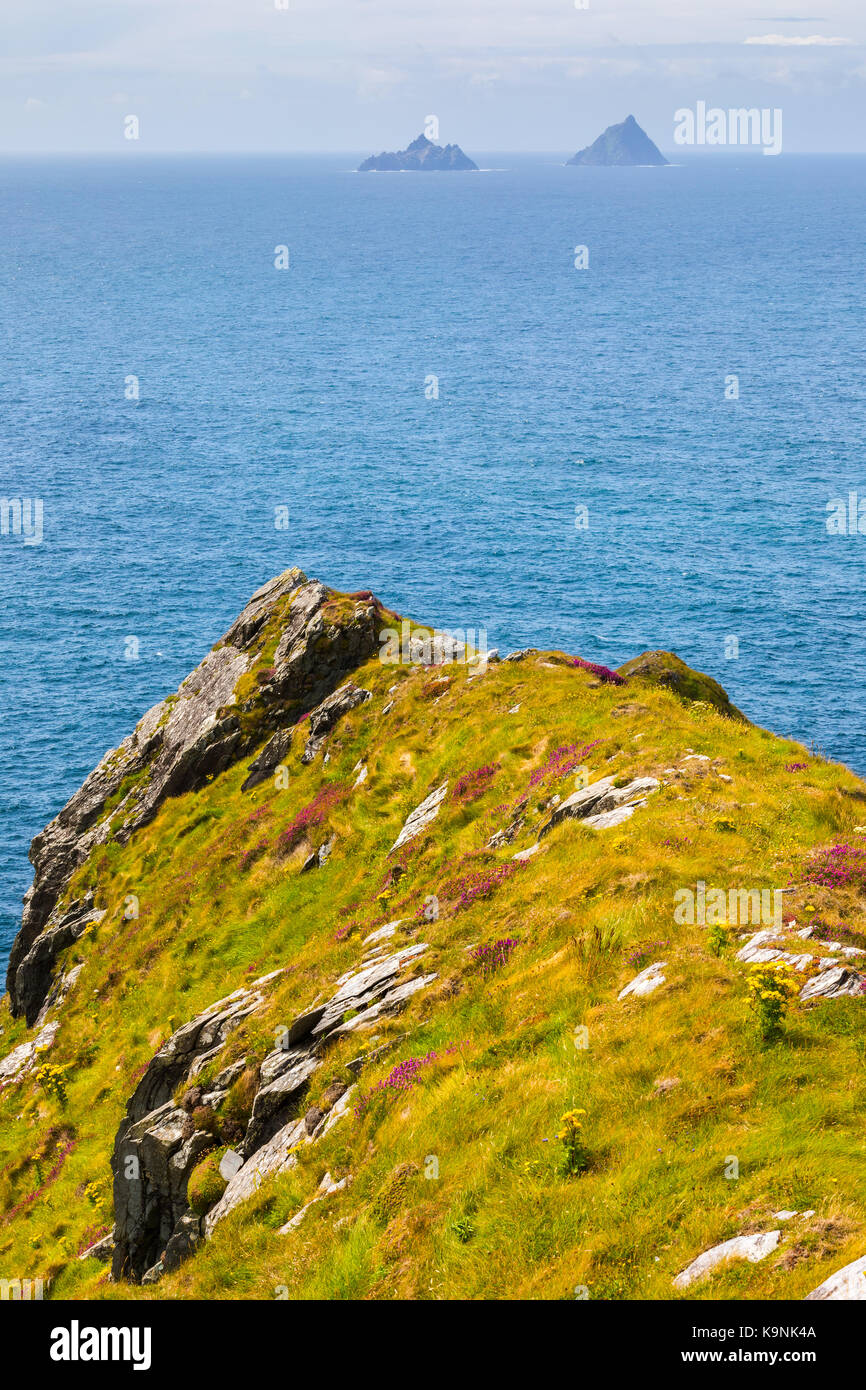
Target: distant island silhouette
422	155
620	145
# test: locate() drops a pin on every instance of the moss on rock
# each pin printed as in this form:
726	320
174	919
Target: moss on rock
206	1184
665	669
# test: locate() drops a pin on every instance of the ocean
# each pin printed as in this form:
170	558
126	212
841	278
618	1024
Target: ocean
432	390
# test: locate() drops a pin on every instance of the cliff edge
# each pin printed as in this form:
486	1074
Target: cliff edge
371	964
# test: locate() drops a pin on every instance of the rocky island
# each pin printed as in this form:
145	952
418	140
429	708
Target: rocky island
422	155
624	144
364	963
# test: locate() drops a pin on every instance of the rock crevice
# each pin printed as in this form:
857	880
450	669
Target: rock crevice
157	1146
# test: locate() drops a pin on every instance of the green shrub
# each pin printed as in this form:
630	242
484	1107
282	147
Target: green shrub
771	988
718	938
463	1229
53	1082
575	1157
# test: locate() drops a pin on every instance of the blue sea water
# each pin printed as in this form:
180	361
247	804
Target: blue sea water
305	388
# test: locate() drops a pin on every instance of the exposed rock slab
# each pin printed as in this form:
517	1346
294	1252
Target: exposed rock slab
833	983
849	952
365	987
752	1248
273	1157
848	1283
757	952
319	857
17	1063
421	817
36	971
327	1187
325	716
61	989
508	834
608	819
646	981
382	933
153	1157
580	804
284	1076
277	1156
524	854
522	654
274	753
154	1226
100	1250
390	1003
602	805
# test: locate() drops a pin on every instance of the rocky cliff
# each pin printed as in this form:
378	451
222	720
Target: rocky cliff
344	977
214	719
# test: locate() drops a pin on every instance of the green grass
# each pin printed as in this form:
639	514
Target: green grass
500	1220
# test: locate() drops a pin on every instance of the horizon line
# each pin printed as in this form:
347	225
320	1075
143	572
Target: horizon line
696	152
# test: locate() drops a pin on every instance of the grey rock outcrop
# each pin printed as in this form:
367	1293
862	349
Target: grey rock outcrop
327	1187
508	834
848	1284
154	1154
836	947
35	974
757	951
100	1250
156	1148
275	751
421	817
319	857
60	990
184	740
647	981
276	1156
522	654
284	1077
17	1063
374	990
523	854
326	715
752	1248
833	983
602	804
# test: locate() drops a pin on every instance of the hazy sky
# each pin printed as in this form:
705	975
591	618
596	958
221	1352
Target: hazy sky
362	75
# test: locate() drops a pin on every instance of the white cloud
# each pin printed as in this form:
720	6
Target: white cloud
798	41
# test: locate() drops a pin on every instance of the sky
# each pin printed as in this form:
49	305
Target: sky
364	75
